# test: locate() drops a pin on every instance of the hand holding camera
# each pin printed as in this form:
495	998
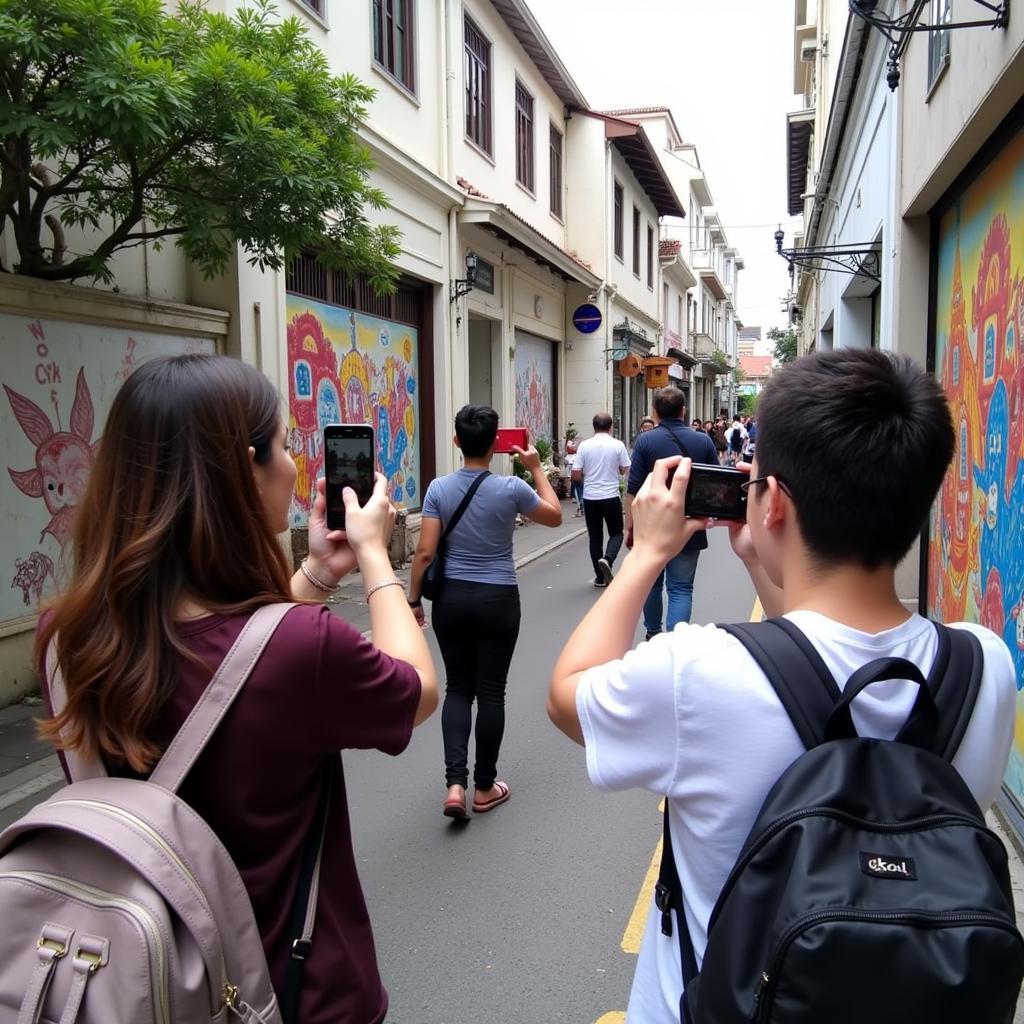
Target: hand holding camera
660	526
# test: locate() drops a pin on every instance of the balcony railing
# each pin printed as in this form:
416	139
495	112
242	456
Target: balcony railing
705	349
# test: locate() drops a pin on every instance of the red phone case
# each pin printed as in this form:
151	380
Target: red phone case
509	436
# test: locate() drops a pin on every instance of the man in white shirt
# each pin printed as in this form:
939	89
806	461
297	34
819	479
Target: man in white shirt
689	714
601	461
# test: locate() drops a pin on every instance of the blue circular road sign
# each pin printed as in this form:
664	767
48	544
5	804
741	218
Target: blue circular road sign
587	318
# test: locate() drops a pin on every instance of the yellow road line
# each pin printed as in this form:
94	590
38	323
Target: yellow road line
615	1017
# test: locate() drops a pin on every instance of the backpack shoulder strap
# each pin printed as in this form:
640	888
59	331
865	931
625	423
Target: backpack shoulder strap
955	680
794	668
464	504
218	696
668	896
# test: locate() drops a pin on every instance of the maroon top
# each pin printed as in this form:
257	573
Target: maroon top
318	687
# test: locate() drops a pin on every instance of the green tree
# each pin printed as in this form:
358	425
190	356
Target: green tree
785	344
141	125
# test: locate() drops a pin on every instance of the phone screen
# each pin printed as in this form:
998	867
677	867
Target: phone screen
349	463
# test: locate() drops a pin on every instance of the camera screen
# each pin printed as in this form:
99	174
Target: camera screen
349	464
710	495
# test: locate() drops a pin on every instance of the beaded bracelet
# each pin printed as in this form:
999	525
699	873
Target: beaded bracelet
318	583
380	586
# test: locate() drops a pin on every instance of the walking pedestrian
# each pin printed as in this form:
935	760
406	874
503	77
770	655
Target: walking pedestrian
176	546
575	486
697	425
717	436
692	716
476	615
600	462
673	437
736	435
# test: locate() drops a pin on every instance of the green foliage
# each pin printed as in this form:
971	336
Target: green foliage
140	124
570	431
721	361
785	344
746	405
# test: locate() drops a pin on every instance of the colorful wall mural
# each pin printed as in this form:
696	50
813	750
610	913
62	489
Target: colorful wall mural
535	378
976	548
349	367
58	380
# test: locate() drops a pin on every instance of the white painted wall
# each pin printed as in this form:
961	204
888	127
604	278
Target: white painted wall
495	175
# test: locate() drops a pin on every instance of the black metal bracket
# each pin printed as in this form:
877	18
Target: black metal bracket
900	30
858	260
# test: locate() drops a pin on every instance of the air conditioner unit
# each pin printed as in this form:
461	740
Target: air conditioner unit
808	51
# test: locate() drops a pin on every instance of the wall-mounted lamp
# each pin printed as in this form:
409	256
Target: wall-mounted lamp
464	285
900	30
860	260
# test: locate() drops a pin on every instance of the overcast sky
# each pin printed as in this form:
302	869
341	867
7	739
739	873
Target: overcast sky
725	68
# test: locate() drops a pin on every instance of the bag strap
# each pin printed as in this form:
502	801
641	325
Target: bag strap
218	696
797	673
679	444
955	681
668	896
463	505
303	913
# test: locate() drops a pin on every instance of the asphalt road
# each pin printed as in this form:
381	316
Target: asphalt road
518	916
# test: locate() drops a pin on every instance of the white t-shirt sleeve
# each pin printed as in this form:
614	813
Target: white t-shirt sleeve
985	748
580	465
627	711
623	458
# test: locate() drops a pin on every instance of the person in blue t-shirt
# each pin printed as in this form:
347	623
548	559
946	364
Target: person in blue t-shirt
672	437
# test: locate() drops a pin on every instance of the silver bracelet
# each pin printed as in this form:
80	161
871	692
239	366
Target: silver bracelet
318	583
380	586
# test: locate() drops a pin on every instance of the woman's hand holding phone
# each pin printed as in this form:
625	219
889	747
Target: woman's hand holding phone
331	558
529	457
367	527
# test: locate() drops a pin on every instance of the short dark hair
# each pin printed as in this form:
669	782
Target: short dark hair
862	439
476	427
669	403
602	422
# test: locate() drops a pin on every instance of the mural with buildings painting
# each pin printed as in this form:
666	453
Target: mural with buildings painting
349	367
58	381
976	548
535	376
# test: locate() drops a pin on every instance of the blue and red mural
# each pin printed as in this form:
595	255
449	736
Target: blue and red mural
976	549
348	367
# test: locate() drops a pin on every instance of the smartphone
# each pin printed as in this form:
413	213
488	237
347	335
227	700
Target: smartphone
349	457
713	492
509	436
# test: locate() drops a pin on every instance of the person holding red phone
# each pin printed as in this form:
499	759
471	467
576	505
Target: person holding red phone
476	614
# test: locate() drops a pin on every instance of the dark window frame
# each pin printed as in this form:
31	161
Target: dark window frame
650	257
479	119
619	221
556	173
386	47
636	241
526	154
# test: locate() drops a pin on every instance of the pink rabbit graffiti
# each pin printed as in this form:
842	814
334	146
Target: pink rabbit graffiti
63	458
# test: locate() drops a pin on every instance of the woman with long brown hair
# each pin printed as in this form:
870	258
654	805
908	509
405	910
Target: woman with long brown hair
175	547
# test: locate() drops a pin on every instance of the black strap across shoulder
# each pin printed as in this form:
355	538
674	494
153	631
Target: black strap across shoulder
808	692
679	444
292	993
464	504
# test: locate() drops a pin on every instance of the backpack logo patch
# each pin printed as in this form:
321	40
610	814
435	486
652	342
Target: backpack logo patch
879	865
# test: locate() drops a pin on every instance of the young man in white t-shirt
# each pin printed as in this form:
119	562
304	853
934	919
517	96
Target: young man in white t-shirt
601	461
690	714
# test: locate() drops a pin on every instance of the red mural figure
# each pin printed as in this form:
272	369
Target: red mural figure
30	576
990	302
63	458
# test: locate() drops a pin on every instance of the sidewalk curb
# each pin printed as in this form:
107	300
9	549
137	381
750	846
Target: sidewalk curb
548	548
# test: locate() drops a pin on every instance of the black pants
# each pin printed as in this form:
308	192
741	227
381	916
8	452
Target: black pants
476	625
604	512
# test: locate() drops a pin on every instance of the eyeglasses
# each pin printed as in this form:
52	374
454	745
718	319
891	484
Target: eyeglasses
746	485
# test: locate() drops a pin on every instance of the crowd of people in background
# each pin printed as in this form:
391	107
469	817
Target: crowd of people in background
734	438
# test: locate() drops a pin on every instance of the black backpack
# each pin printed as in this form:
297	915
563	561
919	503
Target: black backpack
869	889
736	439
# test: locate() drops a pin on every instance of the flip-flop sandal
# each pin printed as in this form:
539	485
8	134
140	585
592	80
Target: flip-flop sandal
456	808
489	805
